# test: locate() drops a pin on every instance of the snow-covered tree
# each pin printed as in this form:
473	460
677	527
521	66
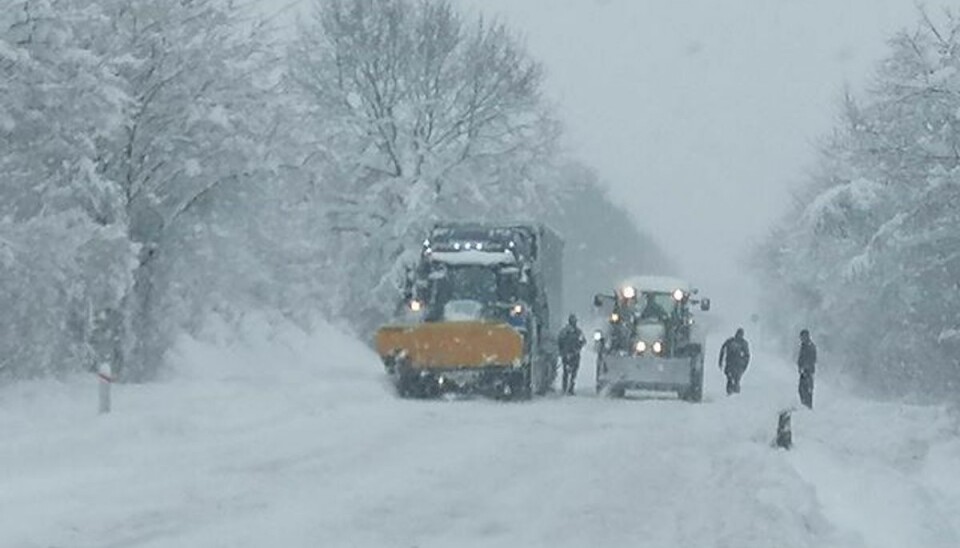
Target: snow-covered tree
63	261
161	163
57	101
426	114
871	255
195	125
159	124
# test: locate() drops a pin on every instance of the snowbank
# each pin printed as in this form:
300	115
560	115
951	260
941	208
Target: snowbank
271	436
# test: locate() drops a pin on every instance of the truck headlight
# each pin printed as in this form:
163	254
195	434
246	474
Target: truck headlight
517	309
598	335
657	347
641	347
628	292
416	306
678	295
614	318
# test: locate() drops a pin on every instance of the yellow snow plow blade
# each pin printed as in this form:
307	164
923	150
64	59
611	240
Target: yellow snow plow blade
452	345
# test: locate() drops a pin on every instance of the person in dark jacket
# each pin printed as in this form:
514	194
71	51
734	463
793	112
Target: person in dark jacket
806	365
571	341
736	351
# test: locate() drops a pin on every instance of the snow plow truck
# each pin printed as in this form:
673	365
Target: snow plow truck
479	314
650	340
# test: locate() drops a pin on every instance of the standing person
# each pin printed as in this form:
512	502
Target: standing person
736	350
571	341
806	365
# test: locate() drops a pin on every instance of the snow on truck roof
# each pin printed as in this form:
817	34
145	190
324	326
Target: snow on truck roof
657	284
472	257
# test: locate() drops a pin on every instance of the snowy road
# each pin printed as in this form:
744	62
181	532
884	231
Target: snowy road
295	441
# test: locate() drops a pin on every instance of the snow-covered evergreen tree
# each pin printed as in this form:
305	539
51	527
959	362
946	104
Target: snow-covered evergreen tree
871	256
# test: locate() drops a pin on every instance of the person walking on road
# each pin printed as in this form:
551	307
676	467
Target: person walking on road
571	341
734	358
806	366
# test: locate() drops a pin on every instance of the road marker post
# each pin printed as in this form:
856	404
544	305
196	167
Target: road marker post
784	430
105	378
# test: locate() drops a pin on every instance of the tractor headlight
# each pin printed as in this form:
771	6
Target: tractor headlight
614	318
628	292
678	295
640	347
517	309
657	347
416	306
598	335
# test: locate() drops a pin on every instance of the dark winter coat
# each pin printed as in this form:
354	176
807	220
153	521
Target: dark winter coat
807	360
571	340
737	352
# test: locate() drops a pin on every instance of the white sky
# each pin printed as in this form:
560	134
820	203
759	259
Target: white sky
700	114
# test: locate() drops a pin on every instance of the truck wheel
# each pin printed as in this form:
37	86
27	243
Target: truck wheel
542	383
404	388
409	384
695	392
601	385
513	386
522	385
403	379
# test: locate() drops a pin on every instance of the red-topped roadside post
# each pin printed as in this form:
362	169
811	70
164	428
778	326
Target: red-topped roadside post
105	378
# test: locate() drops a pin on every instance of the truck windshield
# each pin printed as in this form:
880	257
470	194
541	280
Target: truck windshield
467	282
664	301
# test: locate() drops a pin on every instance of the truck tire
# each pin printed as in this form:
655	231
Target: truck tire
523	385
405	387
403	379
543	383
409	384
601	385
694	393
